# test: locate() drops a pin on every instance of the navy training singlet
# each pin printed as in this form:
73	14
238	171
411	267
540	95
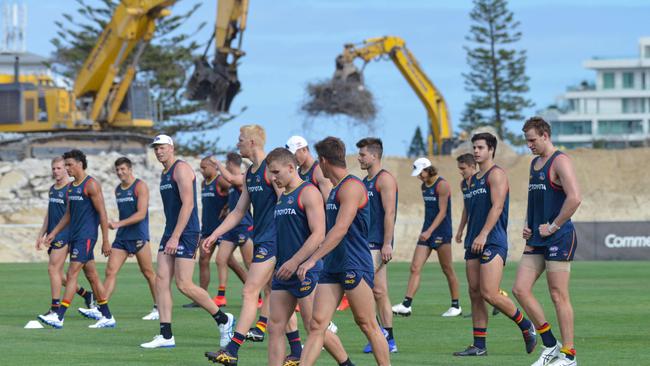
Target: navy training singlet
376	229
212	201
352	253
309	175
84	219
478	205
263	198
292	224
545	201
171	198
127	205
56	207
233	197
431	200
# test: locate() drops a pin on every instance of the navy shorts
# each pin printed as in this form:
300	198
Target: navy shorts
264	251
82	250
130	246
489	252
559	249
435	241
295	287
187	245
238	235
57	244
348	279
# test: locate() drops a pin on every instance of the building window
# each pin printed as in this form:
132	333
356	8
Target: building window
647	51
570	128
643	85
628	80
620	127
608	80
633	105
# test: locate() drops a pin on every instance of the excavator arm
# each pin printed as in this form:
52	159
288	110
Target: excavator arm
217	81
440	128
132	26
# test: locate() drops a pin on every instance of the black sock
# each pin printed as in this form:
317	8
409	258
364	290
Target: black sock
166	330
103	308
455	303
55	305
390	333
220	317
155	306
407	301
81	291
346	363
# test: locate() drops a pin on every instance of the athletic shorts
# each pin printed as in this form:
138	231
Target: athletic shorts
82	250
238	235
187	245
489	252
130	246
264	251
295	287
348	279
561	248
57	244
434	242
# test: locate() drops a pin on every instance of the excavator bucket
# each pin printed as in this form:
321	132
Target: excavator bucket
344	94
217	84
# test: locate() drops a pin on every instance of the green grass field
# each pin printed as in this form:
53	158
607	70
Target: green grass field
611	302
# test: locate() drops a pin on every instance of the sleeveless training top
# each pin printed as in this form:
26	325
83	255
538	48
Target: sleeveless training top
263	198
352	253
84	219
293	226
479	203
212	202
432	209
127	205
233	198
57	204
309	175
376	229
171	198
545	200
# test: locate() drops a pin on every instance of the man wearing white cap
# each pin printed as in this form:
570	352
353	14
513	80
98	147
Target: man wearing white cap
436	235
309	170
179	244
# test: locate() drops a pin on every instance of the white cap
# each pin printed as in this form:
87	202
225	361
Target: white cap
162	140
296	142
419	165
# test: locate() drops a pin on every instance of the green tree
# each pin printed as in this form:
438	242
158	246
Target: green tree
497	80
417	147
164	66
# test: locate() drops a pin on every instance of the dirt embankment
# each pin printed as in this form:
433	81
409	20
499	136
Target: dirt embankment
614	184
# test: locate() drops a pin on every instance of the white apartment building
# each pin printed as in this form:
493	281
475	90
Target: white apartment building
612	113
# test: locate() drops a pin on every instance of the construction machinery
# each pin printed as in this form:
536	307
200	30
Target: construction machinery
216	81
440	128
105	105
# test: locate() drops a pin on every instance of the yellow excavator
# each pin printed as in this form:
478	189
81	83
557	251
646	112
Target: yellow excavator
216	82
105	102
440	128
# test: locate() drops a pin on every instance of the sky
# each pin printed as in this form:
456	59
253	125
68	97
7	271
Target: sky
289	43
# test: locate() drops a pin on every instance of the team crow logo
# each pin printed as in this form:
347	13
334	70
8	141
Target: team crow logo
60	194
261	253
75	253
487	253
372	184
290	200
541	176
129	193
482	181
258	179
305	285
350	278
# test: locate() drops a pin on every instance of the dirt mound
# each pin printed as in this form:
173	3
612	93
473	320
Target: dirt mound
614	185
